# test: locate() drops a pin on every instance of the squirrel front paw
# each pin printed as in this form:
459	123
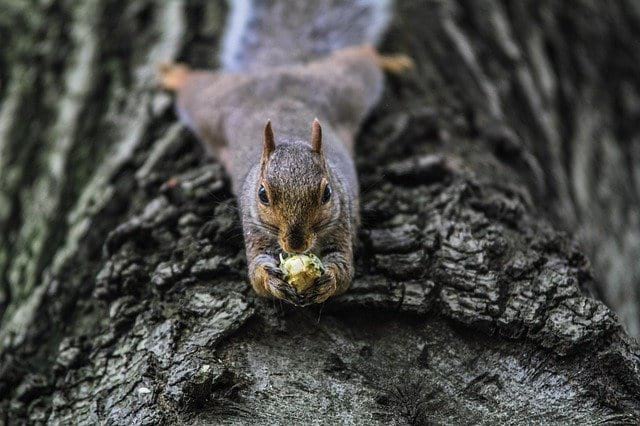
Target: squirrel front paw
269	281
322	289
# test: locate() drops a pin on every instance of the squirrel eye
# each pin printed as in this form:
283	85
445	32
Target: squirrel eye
262	195
326	195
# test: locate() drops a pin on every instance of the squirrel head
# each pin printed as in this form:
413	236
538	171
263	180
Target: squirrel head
294	192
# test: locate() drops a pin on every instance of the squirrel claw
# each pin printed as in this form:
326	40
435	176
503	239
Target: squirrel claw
283	290
324	287
395	64
279	288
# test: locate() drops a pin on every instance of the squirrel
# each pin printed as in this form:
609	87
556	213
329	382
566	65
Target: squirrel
284	73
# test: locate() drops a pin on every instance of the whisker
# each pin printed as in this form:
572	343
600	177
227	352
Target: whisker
234	236
320	313
372	185
324	225
263	226
227	207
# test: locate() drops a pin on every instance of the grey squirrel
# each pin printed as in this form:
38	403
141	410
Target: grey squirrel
287	67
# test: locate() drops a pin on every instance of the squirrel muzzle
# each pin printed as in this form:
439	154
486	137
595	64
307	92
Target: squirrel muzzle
296	240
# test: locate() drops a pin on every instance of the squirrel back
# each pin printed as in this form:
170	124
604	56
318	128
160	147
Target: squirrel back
268	33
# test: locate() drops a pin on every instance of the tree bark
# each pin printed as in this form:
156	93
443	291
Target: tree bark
123	293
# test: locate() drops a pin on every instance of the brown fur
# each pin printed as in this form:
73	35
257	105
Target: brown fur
229	111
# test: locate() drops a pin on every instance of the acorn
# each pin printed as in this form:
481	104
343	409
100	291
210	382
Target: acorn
301	270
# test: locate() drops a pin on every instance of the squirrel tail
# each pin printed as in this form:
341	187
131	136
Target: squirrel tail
268	33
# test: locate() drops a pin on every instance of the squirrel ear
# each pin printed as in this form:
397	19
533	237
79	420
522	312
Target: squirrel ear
269	141
316	136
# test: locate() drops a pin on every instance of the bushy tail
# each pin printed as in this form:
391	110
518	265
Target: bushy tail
267	33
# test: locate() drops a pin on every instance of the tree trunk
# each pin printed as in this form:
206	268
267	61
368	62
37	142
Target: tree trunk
122	274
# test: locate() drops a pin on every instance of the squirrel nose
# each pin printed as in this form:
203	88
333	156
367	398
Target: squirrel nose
295	242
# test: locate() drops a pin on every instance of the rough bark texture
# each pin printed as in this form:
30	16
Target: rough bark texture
123	293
